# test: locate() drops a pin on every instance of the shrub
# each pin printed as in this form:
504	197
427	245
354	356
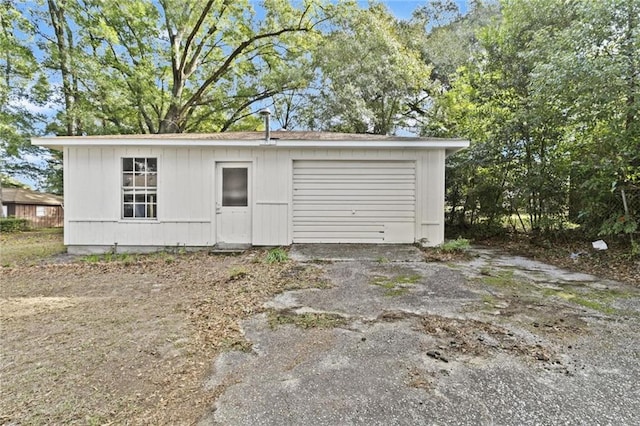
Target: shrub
13	224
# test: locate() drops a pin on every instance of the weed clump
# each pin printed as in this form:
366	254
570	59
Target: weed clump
237	273
306	320
458	245
395	286
277	255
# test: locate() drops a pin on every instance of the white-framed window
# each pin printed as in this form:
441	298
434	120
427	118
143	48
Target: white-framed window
41	211
139	188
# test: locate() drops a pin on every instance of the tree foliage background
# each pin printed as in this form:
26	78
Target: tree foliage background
550	100
546	90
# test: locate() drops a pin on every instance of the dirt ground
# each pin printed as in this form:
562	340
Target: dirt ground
132	339
129	340
616	263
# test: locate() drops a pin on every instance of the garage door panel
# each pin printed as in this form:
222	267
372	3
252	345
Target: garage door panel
401	193
358	213
342	228
331	173
340	237
373	187
352	164
341	219
353	201
302	207
313	197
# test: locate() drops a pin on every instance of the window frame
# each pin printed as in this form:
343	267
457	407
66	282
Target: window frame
137	195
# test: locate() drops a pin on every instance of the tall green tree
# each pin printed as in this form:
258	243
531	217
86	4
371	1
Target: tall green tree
550	102
23	89
173	66
517	164
369	80
593	75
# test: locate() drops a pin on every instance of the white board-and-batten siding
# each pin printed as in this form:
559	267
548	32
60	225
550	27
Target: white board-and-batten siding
397	195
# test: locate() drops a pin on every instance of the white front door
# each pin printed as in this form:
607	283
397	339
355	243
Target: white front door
233	202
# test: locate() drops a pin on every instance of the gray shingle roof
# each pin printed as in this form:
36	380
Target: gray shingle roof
27	196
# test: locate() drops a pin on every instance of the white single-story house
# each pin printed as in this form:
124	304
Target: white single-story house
148	192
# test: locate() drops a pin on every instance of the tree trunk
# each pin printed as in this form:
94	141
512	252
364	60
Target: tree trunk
171	122
64	45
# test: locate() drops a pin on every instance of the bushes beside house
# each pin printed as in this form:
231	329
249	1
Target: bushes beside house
13	224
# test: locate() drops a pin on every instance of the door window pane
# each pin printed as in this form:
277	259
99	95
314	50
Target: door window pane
234	187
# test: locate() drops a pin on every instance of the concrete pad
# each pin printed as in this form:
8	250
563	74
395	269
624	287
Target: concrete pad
353	252
359	293
426	343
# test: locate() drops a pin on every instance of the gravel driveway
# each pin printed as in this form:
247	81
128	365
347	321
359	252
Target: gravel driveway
395	340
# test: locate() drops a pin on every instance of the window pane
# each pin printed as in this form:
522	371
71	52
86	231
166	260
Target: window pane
139	164
127	164
152	180
152	164
140	198
140	179
128	197
234	187
127	179
140	210
128	210
151	210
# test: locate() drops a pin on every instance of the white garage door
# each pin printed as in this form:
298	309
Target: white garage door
353	201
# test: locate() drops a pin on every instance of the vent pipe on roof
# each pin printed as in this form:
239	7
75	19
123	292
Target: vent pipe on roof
267	125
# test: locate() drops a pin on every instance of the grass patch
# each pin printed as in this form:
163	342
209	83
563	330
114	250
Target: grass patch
458	245
277	255
125	258
395	286
306	320
597	300
501	279
451	250
397	291
237	273
488	299
298	277
238	343
30	247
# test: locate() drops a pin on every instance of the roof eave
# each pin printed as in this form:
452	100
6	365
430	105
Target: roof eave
450	145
